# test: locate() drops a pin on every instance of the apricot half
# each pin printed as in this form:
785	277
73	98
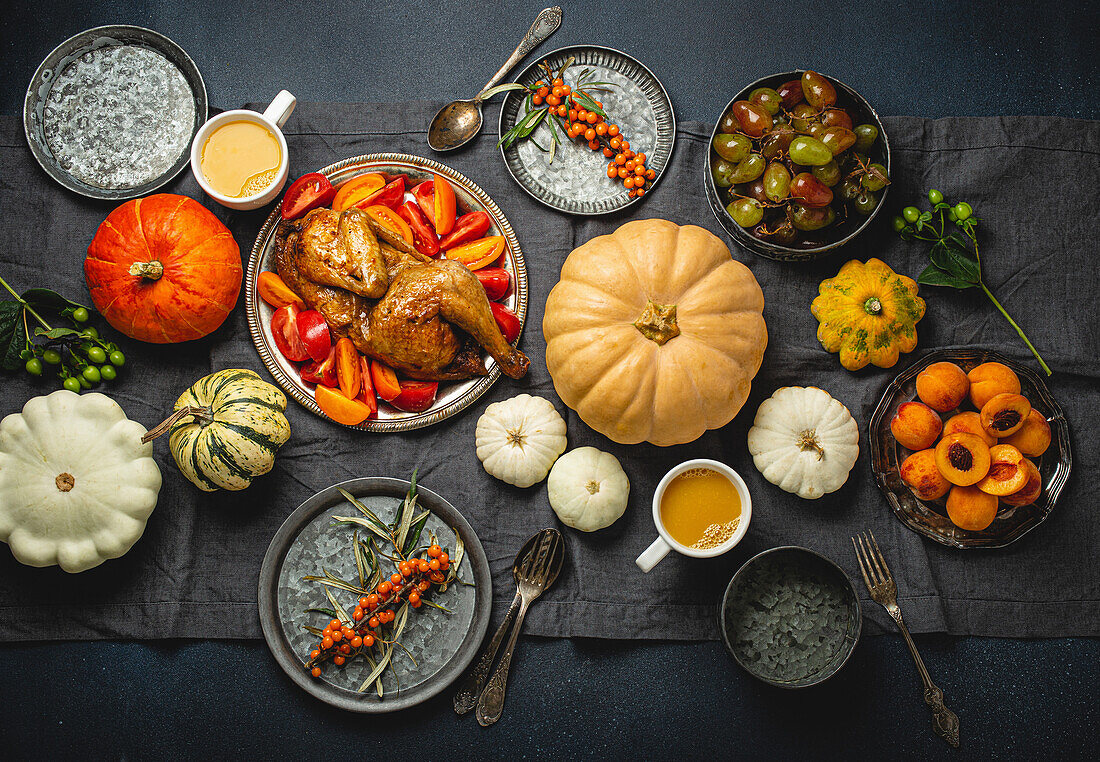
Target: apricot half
1005	414
1030	491
990	379
942	386
916	426
962	458
970	508
1007	473
1033	438
922	475
969	423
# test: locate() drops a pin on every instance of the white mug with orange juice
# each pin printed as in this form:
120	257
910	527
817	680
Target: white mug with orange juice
701	508
240	157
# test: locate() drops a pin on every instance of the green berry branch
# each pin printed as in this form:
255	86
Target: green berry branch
955	260
81	358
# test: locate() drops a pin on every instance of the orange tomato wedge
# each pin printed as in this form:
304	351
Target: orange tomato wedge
275	292
388	218
339	408
480	253
444	206
348	368
385	381
356	189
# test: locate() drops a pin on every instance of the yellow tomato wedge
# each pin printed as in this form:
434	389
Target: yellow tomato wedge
388	218
357	189
480	253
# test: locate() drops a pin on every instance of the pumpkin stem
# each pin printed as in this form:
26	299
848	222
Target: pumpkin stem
593	486
807	440
658	322
65	482
151	270
516	438
203	413
873	306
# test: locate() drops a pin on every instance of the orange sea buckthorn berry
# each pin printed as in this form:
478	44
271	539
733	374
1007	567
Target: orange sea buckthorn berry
423	586
566	90
563	110
628	182
336	636
338	660
316	672
612	171
434	564
395	579
363	601
556	90
608	152
358	615
435	551
591	117
345	648
372	599
356	642
629	164
616	143
612	130
334	624
626	145
444	558
620	159
622	172
640	157
640	170
314	654
422	565
557	82
590	134
572	115
601	129
368	640
650	174
326	642
373	622
553	100
537	100
594	144
414	597
444	565
626	150
581	114
543	91
417	605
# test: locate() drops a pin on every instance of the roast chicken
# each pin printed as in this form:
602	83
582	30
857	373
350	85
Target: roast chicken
426	318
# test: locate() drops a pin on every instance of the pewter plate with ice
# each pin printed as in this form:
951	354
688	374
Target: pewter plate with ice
790	617
111	112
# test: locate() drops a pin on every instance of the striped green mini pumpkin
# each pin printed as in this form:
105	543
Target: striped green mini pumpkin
230	428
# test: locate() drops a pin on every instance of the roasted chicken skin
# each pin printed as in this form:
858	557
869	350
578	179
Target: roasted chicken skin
430	317
338	249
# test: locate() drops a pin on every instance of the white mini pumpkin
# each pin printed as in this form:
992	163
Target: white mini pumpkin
804	441
76	483
588	489
519	439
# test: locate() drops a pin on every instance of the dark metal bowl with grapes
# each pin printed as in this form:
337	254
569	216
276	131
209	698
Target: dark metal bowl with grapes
798	166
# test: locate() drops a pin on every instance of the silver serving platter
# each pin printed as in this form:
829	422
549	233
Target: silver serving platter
443	643
577	181
88	43
454	396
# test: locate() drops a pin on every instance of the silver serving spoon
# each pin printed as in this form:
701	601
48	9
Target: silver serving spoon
457	123
535	569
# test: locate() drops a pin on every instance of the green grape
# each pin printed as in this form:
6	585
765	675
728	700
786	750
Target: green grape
963	211
803	117
849	188
829	174
117	358
34	366
777	181
808	218
108	372
818	90
873	181
97	355
910	213
84	383
810	151
90	333
866	135
865	202
732	148
750	168
837	139
768	98
91	374
51	357
722	172
746	212
80	315
897	223
935	196
72	384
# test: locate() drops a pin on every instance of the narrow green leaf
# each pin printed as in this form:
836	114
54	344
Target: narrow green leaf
360	567
487	94
414	533
365	523
342	613
584	99
387	654
327	612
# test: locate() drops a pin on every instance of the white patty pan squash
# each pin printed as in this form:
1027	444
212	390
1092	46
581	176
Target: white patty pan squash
231	425
588	489
654	333
519	439
76	482
804	441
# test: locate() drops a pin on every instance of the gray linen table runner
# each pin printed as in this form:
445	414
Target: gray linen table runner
1032	182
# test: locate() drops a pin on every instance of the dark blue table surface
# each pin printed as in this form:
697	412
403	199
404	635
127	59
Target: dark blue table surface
1015	698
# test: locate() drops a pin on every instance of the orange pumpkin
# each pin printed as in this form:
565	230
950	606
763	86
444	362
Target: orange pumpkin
163	269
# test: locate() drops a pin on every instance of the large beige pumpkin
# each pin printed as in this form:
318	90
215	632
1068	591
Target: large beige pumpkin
654	333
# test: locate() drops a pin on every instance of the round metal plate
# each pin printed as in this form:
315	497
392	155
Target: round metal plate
577	181
443	644
87	43
929	518
454	396
847	230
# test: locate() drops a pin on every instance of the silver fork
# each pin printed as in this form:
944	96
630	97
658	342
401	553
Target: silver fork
884	591
533	575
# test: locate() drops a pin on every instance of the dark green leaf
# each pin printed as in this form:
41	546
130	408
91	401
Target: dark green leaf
327	612
44	297
585	100
925	216
487	94
414	533
919	224
13	340
934	276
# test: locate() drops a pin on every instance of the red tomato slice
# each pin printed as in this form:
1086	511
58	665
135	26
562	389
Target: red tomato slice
323	372
415	396
507	321
390	195
495	280
423	236
307	192
424	193
313	330
284	329
468	227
